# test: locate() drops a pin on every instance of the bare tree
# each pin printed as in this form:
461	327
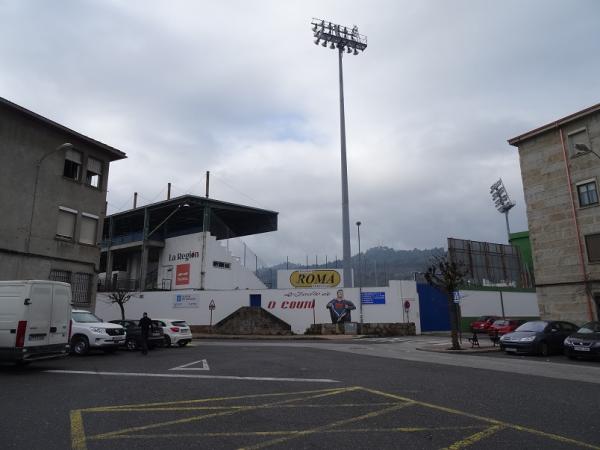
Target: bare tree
447	276
120	297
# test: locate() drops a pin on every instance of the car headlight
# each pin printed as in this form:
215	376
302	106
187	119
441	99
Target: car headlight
527	339
568	341
503	338
98	330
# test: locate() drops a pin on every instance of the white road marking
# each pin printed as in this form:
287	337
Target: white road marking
205	377
204	366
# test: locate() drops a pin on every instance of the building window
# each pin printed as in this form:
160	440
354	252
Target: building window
587	193
89	229
80	288
72	167
93	175
592	244
580	137
221	265
60	275
67	218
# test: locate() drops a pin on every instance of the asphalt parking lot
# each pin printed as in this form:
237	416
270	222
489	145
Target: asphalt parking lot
243	394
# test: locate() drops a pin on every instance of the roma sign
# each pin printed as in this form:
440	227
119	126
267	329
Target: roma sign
315	278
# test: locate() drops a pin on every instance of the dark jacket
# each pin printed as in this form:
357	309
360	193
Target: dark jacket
145	325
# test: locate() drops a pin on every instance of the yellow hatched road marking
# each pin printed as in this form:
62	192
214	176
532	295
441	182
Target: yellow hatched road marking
77	431
112	434
329	425
79	439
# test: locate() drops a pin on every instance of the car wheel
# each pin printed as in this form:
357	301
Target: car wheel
544	349
182	343
80	345
167	341
131	344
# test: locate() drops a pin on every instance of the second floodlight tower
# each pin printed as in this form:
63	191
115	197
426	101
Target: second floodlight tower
502	201
344	39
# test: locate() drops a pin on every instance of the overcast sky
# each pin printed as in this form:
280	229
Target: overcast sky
240	89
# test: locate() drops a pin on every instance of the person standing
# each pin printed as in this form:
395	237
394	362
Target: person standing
145	326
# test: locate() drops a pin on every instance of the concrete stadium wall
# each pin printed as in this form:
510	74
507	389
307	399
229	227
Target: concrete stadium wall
294	306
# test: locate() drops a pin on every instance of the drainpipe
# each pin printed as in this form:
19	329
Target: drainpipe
576	223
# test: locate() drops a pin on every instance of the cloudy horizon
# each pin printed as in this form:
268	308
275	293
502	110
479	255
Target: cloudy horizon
239	89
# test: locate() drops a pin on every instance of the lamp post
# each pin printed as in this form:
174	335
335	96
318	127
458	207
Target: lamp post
358	224
343	39
38	164
502	201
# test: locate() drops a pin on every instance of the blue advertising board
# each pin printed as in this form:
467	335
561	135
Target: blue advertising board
372	298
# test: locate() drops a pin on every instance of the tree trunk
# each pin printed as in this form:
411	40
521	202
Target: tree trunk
122	310
453	322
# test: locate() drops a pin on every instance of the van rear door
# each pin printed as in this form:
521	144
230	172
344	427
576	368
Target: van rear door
38	314
11	311
61	315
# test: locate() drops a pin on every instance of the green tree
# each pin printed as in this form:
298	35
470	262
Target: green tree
447	276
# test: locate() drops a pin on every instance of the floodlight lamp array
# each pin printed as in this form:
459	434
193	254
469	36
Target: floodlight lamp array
338	36
500	197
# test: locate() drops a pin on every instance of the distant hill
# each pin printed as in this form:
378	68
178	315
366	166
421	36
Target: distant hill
379	265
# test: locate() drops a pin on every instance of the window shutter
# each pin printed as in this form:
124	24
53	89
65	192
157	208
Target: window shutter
94	165
66	223
73	155
88	230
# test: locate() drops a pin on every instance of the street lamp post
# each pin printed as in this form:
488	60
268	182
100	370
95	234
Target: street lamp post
358	224
343	39
38	165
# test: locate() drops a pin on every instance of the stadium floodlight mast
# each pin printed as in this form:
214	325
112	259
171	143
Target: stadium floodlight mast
502	201
343	39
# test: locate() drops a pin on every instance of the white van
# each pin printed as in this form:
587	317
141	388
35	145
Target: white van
35	320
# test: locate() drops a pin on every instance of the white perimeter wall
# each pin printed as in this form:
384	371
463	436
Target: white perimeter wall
294	306
516	304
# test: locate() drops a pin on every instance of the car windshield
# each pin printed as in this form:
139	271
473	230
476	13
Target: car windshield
500	323
590	327
532	326
180	323
85	317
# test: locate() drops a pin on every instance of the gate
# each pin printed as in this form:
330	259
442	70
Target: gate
433	307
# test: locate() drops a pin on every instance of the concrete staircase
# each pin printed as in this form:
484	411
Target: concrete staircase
252	320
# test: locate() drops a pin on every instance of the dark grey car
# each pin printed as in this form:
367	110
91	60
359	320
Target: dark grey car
540	337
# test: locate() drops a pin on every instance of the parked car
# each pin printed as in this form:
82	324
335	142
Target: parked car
35	319
503	326
134	334
483	323
538	337
584	343
177	332
90	332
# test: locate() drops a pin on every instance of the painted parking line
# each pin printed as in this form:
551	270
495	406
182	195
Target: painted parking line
181	375
460	430
203	366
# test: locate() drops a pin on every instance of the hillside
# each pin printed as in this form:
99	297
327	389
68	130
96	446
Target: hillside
379	265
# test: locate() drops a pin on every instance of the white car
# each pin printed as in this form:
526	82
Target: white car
176	331
89	332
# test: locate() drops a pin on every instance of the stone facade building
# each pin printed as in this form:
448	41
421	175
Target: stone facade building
52	201
560	166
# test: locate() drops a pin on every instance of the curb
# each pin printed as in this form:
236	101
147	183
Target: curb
463	351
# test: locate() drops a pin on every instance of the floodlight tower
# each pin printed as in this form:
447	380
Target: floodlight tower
343	39
502	201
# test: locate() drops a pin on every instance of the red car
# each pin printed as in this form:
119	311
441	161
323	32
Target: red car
482	324
503	326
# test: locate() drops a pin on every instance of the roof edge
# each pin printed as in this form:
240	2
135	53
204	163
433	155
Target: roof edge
117	154
553	125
